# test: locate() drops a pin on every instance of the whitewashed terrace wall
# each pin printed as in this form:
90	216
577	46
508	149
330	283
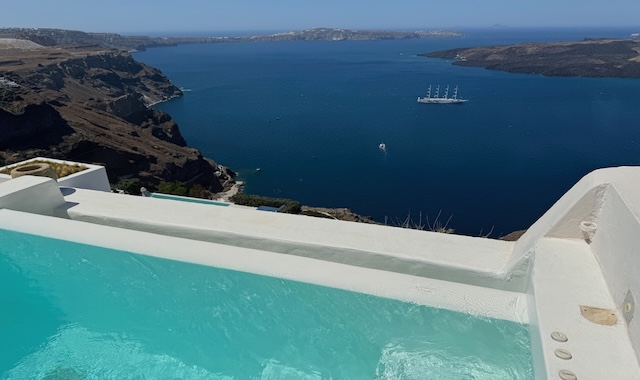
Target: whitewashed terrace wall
92	178
611	199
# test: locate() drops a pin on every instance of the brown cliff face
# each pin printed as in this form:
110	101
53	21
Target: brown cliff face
92	105
588	58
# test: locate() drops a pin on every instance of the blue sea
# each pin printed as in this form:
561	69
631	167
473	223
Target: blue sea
311	116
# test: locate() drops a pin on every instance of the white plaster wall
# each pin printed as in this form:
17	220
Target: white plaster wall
611	198
92	178
584	201
38	195
562	220
616	245
537	353
476	261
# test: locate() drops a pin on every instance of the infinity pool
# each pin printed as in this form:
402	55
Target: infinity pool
188	199
74	311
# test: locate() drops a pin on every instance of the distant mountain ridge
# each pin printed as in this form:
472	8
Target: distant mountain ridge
61	37
336	34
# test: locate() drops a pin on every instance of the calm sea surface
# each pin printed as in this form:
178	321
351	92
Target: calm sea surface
311	115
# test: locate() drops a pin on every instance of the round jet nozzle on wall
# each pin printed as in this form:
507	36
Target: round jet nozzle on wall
588	229
628	307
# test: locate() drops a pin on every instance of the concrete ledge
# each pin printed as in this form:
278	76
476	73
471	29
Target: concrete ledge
455	258
565	276
469	299
38	195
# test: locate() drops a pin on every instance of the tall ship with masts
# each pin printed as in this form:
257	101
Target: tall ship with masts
437	99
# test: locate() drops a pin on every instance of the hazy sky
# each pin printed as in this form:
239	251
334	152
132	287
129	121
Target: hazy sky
132	16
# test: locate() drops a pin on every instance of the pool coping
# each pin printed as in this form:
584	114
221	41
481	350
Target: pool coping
474	300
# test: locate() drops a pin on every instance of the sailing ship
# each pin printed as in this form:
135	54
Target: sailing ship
441	100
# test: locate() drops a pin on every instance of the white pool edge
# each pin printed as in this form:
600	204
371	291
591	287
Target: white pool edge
474	300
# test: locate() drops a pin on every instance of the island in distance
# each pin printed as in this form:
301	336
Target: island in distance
61	37
588	58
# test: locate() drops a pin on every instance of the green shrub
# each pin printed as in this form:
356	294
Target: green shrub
130	186
290	206
173	188
198	191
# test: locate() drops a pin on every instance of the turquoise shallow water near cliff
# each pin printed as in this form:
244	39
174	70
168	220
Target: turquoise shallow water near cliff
312	114
72	311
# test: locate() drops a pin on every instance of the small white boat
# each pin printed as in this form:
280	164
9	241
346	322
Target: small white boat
382	146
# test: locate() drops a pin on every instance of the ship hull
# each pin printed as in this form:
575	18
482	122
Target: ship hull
441	100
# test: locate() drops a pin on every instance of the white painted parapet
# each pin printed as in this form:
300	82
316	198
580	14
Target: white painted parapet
463	259
37	195
580	207
602	214
94	177
609	201
616	245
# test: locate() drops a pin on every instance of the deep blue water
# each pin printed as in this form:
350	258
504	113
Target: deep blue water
312	114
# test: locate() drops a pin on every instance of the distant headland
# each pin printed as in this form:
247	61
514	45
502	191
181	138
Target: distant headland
588	58
60	37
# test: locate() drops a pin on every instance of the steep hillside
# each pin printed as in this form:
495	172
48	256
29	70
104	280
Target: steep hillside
92	105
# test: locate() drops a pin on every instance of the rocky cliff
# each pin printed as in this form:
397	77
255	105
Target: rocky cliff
588	58
91	104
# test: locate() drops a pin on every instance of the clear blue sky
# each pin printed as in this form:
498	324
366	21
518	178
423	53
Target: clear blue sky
133	16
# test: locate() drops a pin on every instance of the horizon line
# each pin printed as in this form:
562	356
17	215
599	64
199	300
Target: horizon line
496	26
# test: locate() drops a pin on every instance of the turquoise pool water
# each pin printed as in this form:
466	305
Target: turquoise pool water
188	199
73	311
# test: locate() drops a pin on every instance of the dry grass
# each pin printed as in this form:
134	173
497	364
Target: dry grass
436	225
62	170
